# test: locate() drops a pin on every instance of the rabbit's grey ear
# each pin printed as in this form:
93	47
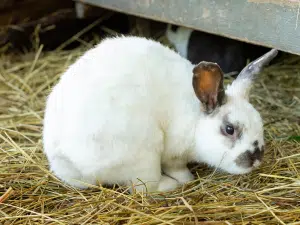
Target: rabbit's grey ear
208	85
242	84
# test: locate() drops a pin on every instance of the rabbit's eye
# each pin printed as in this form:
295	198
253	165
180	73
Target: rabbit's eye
229	130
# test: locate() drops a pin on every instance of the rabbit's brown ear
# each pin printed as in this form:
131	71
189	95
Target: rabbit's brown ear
208	85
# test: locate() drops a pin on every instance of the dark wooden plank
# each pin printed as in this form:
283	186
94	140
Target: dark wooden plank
14	12
270	23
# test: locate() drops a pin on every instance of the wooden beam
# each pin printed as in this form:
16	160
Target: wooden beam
16	12
270	23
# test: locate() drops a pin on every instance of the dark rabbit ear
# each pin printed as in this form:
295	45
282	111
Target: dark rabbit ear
208	85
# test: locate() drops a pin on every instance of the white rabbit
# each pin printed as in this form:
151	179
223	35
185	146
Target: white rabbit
132	111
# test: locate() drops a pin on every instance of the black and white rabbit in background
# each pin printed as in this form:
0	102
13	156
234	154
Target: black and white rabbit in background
196	46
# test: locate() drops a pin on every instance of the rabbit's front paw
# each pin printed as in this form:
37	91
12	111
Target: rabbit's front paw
182	175
167	184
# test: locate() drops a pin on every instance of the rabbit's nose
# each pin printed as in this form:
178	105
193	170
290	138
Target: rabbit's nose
250	158
257	156
258	153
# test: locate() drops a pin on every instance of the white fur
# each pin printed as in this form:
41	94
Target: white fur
180	39
126	110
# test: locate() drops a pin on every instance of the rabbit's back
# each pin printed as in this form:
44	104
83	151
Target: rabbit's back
121	76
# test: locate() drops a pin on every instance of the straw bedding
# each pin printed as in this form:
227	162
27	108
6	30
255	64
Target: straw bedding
30	194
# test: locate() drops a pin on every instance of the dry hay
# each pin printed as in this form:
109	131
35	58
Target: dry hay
30	194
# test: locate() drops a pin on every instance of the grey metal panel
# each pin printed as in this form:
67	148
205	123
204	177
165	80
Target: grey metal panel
272	23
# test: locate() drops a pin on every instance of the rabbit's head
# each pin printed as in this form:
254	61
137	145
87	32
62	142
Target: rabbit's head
230	133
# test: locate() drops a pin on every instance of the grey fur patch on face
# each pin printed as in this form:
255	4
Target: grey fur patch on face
244	160
248	159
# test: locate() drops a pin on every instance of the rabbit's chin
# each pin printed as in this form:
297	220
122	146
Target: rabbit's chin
237	170
228	165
